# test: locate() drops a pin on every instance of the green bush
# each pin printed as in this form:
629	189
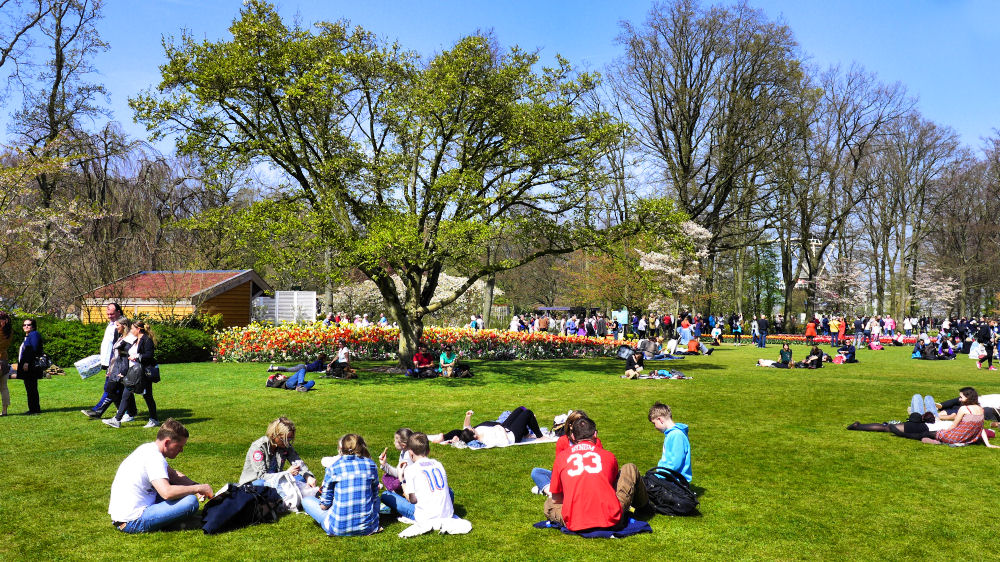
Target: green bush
181	345
68	341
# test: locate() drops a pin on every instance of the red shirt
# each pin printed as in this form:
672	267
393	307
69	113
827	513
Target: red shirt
421	360
562	444
585	475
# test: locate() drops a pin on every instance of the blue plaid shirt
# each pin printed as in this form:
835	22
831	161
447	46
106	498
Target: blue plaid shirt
350	488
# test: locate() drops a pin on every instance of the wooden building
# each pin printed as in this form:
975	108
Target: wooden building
175	294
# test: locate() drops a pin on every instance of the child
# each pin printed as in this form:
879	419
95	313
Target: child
426	495
392	474
676	447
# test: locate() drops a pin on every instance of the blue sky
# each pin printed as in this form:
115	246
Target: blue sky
944	52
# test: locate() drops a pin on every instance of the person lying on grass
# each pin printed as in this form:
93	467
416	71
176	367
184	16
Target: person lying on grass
966	428
426	495
512	430
348	503
290	382
589	492
785	356
148	495
269	454
318	365
542	477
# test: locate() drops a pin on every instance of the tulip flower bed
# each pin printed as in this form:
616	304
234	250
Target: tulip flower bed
292	342
800	339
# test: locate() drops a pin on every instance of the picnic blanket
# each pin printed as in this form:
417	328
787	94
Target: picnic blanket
634	527
675	375
549	438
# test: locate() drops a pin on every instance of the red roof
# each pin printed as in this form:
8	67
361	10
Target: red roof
164	284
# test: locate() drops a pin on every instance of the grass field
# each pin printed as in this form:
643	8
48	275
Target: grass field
778	476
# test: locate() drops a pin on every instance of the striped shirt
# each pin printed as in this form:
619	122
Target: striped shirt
350	489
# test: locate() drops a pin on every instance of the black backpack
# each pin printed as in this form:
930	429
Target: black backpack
241	506
669	492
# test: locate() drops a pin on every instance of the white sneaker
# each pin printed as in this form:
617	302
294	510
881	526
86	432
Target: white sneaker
151	423
112	422
270	368
127	418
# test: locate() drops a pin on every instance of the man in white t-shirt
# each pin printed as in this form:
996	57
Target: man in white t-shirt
147	494
426	495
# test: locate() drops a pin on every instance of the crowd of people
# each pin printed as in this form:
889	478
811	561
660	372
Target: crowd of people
585	490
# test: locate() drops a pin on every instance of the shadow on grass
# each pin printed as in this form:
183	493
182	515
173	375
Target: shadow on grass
180	414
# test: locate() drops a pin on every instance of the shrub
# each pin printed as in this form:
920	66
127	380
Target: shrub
181	345
68	341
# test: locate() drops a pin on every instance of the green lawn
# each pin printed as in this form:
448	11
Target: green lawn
778	475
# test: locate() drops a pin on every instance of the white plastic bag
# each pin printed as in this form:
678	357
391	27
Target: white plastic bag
89	366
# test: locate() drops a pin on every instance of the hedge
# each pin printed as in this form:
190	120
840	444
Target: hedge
68	341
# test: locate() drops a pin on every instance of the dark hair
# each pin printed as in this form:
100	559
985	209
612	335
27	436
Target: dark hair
418	444
466	435
173	430
971	396
584	429
117	306
5	320
34	325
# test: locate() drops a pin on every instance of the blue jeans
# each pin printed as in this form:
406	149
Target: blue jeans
402	506
923	404
162	513
311	506
299	379
541	477
763	340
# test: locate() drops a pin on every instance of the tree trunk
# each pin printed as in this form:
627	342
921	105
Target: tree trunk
410	332
738	279
491	283
328	282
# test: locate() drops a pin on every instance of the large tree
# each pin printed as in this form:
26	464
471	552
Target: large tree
412	167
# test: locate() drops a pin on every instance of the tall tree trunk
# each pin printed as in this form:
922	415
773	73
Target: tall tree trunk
491	283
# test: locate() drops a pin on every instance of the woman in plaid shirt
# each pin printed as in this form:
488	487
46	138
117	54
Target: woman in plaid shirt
349	502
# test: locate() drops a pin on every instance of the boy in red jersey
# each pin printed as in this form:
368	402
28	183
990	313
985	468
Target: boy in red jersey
588	490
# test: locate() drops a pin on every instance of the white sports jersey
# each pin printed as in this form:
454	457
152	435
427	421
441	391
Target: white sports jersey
427	480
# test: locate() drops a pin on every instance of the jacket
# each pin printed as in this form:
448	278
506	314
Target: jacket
264	458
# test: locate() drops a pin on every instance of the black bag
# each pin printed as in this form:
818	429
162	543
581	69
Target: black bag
241	506
133	377
462	372
43	362
153	373
669	492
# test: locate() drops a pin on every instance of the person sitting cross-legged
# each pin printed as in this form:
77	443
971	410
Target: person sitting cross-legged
589	492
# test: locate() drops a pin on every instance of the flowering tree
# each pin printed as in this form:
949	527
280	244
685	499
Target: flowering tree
934	290
842	289
672	268
365	297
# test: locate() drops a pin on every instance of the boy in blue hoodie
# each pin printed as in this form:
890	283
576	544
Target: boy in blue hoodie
676	447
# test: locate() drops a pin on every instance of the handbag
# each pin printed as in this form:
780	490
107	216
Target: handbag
43	362
153	373
133	378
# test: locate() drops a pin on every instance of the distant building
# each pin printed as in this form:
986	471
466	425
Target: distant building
176	294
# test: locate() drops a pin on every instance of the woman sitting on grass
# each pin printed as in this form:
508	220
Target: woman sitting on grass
393	474
967	427
349	501
269	454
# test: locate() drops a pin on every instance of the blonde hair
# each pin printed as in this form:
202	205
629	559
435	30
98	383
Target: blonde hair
125	323
144	330
279	430
354	444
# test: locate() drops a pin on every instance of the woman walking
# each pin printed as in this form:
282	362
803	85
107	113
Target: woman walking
140	356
